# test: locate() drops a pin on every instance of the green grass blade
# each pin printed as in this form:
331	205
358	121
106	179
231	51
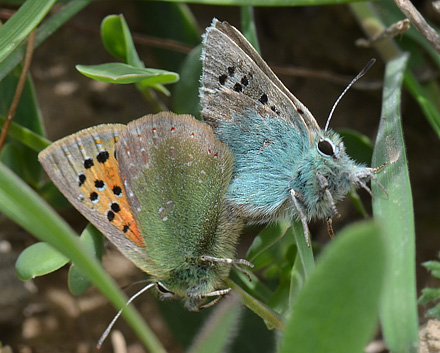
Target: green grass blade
399	303
21	204
259	308
26	136
264	2
19	26
305	253
215	334
419	93
372	24
43	32
304	263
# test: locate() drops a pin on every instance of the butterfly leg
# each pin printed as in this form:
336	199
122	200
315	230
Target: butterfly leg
330	231
195	299
324	185
296	197
227	261
214	293
364	186
212	302
233	262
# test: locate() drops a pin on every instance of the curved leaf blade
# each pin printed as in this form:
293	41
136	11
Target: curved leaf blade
124	74
399	316
118	41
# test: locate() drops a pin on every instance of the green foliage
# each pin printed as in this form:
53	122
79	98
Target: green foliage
39	259
398	304
118	41
93	241
124	74
431	295
337	309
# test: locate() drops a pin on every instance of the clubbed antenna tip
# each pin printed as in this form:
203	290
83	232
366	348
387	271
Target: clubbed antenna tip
359	75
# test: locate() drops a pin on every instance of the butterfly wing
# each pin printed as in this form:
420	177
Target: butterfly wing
234	71
268	130
179	174
84	168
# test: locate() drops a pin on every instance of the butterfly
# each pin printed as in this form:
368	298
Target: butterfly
285	164
155	188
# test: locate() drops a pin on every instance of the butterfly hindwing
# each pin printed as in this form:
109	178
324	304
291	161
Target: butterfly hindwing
84	168
178	175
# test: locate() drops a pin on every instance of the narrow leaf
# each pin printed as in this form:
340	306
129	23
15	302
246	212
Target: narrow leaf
399	316
124	74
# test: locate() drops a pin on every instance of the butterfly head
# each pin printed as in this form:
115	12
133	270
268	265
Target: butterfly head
333	175
195	284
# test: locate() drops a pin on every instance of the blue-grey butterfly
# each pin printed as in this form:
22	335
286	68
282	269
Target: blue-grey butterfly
285	164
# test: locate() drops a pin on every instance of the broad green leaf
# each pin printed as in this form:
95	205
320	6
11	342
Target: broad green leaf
337	310
39	259
434	312
123	74
248	26
118	41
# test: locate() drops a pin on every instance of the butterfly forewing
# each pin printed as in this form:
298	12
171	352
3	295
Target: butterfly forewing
178	175
84	168
233	71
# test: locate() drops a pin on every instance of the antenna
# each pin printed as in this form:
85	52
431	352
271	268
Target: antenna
359	75
109	327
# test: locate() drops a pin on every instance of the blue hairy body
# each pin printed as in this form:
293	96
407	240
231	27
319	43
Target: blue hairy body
272	158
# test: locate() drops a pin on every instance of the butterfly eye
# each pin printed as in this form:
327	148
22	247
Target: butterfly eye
326	148
162	289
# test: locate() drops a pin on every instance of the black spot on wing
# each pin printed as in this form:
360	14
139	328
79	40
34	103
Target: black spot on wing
102	156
